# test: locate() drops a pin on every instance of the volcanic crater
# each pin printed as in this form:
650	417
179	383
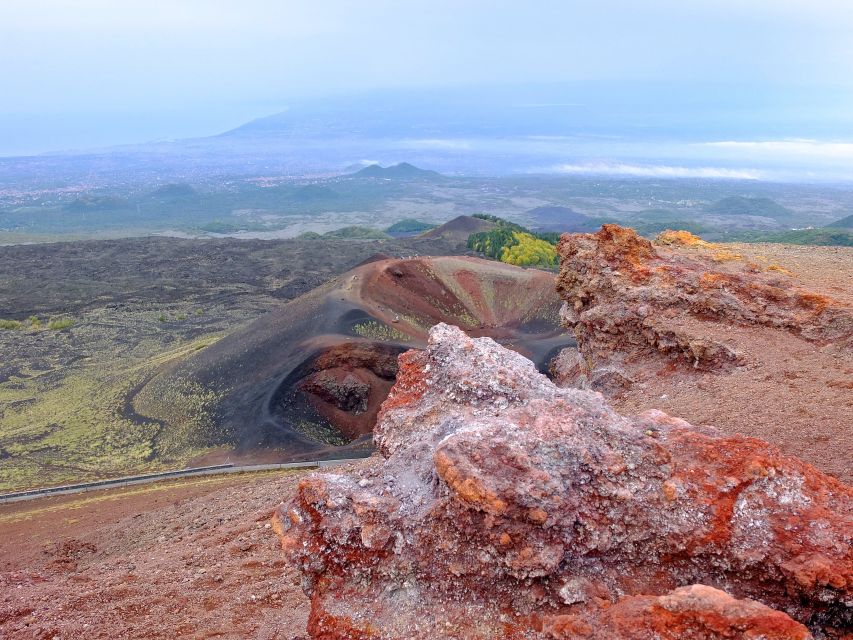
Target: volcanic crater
306	381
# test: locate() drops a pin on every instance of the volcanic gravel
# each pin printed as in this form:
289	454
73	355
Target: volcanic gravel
194	560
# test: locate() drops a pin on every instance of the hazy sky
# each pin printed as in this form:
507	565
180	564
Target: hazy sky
78	73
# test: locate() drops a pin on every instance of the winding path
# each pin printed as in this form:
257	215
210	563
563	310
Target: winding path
33	494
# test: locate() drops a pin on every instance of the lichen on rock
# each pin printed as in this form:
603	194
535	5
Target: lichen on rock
508	507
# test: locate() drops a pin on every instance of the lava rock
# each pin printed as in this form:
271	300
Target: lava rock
507	507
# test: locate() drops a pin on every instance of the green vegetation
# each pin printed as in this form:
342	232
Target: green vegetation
513	244
58	325
495	219
35	323
379	331
89	202
81	425
651	222
320	432
816	237
409	225
218	226
315	192
356	232
175	190
529	251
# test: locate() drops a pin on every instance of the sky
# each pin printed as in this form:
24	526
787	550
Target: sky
87	73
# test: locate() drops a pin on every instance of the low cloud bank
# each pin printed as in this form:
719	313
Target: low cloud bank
657	171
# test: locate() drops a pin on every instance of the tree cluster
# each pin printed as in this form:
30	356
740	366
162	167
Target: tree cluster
513	244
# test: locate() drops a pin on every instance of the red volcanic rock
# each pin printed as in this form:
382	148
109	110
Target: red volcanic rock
348	383
627	303
507	507
720	335
696	611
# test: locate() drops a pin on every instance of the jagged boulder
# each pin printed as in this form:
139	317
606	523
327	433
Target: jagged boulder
696	611
631	305
507	507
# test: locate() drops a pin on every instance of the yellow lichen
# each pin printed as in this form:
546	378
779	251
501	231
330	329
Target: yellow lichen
670	238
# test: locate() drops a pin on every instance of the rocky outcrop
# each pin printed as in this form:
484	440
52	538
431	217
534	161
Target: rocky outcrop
507	507
696	611
346	384
630	302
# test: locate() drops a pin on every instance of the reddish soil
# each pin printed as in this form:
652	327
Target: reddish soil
483	297
190	559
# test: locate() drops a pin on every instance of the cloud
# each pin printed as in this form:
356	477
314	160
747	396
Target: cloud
657	171
792	148
438	143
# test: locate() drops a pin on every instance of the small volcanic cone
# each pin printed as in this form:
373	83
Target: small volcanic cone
306	381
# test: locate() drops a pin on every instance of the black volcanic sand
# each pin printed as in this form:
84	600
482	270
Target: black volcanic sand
305	381
69	277
145	295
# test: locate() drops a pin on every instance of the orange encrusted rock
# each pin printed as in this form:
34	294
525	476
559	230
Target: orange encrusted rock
508	507
630	305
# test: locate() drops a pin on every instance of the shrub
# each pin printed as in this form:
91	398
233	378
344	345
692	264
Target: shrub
10	324
34	321
58	325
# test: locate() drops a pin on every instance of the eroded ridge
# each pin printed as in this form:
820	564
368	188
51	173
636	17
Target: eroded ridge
506	507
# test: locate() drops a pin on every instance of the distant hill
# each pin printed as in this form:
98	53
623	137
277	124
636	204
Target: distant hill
460	228
844	223
356	233
408	227
561	219
403	170
746	206
651	222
